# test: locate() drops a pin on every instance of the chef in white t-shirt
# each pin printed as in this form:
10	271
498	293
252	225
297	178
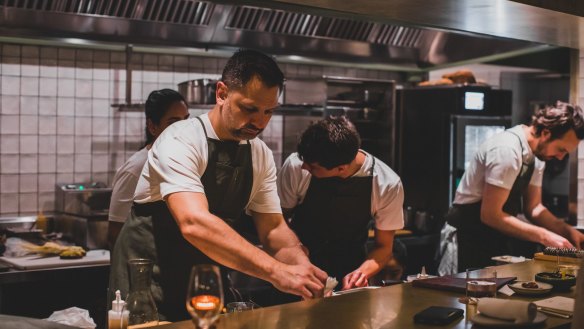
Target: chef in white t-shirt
503	180
332	190
201	175
162	108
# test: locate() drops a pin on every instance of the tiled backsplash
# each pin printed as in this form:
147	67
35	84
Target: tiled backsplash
57	125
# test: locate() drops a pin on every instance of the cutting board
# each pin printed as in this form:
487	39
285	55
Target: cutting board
34	262
552	258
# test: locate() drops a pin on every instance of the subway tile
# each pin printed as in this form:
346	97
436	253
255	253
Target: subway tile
10	104
49	52
29	86
48	68
29	124
48	163
29	144
150	59
101	108
47	201
65	144
166	60
66	69
29	105
100	177
10	124
99	145
10	163
65	163
48	105
82	162
136	88
66	54
83	71
82	145
46	182
29	163
101	71
83	126
11	66
101	56
47	125
117	57
137	74
9	183
48	144
150	74
99	163
118	126
48	87
28	203
84	55
118	92
30	67
100	126
101	89
136	59
65	106
11	50
134	126
181	62
10	85
117	144
9	144
83	108
147	88
9	203
66	88
180	77
195	64
65	178
82	177
29	183
65	126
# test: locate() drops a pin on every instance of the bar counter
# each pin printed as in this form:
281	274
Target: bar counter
387	307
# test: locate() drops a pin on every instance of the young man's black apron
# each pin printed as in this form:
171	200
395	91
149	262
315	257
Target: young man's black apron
151	231
477	242
333	221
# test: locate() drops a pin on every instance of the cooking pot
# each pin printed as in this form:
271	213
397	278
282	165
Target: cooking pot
199	91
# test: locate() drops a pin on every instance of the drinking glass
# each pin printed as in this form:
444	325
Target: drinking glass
480	283
205	295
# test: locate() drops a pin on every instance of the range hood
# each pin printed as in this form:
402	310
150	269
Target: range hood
295	31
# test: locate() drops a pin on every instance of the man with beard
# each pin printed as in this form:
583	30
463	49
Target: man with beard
200	176
504	179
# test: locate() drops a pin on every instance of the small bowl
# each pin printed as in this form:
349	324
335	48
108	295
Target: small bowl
556	280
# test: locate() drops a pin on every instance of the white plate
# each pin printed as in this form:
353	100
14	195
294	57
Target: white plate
344	292
487	321
543	288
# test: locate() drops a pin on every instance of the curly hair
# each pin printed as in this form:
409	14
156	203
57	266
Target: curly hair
558	120
330	142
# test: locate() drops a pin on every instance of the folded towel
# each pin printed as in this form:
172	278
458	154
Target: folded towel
511	310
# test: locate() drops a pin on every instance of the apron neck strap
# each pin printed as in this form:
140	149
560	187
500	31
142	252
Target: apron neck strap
203	125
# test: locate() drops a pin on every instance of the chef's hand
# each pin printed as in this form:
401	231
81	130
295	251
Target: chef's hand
355	279
304	280
551	239
576	237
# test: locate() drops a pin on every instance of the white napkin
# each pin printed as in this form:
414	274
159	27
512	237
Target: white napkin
73	316
331	283
511	310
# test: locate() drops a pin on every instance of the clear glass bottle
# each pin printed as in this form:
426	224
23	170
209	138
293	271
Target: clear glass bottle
140	303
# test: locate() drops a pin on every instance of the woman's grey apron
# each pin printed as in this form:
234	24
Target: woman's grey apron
333	222
477	242
151	231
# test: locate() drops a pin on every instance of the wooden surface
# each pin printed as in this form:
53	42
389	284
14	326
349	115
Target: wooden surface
552	258
388	307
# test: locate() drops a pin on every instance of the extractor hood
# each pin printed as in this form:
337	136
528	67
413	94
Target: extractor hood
292	32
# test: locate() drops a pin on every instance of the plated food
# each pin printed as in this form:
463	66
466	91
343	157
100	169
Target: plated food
558	280
530	288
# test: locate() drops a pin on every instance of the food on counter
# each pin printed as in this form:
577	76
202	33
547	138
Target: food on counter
73	252
52	248
530	285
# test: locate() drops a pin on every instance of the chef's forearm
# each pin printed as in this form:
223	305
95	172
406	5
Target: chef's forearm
377	259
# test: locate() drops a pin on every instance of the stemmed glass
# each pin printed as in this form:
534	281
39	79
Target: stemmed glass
205	295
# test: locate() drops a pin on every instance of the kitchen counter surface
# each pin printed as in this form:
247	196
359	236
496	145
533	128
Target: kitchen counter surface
387	307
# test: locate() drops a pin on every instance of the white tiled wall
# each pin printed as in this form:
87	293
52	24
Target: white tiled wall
57	125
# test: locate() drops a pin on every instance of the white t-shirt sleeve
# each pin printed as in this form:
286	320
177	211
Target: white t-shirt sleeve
122	196
537	177
289	181
502	165
177	162
264	198
388	213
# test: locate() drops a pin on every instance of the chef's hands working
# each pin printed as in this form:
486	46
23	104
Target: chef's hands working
305	280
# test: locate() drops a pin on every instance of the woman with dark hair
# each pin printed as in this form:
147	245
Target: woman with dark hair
162	108
504	179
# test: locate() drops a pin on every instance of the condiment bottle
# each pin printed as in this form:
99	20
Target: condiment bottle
117	317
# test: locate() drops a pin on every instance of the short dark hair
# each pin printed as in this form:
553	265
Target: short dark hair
330	142
158	102
245	64
559	120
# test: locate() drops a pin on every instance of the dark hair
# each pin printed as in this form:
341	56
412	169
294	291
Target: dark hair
330	142
158	102
245	64
559	120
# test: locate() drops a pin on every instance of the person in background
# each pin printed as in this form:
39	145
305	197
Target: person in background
201	174
504	179
332	190
163	108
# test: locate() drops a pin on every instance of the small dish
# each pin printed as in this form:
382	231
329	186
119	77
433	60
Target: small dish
559	281
542	288
344	292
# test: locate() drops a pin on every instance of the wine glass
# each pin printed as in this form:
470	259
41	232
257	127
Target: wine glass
205	295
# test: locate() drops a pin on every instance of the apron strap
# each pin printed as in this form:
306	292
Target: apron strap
203	125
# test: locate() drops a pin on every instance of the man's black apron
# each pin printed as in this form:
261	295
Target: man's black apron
333	222
151	231
477	242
